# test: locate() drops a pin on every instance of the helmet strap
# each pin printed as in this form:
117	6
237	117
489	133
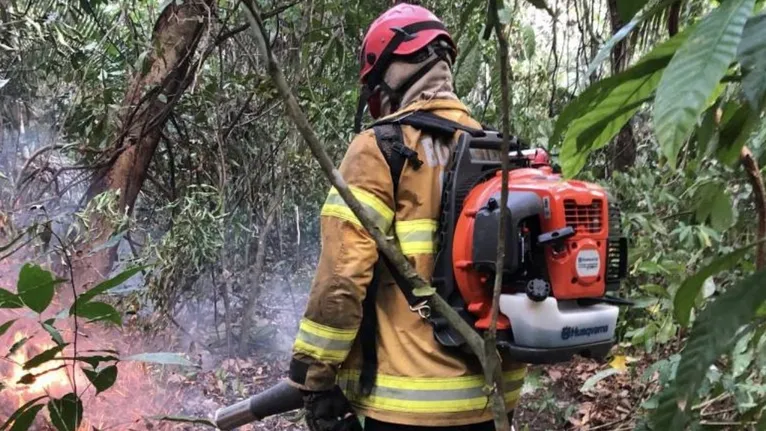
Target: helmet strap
361	103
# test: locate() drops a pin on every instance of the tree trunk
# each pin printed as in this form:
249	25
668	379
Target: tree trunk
151	95
623	150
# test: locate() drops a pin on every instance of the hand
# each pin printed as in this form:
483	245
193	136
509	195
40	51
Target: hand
330	411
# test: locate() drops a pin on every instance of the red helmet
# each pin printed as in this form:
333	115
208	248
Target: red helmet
401	30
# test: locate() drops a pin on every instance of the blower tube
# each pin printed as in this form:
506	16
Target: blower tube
277	399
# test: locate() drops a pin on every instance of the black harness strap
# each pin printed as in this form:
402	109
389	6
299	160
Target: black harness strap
390	140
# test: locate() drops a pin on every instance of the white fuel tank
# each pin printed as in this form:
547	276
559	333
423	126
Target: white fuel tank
552	323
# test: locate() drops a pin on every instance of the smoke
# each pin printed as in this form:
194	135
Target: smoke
48	190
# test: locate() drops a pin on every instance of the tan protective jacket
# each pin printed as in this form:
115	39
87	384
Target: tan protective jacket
418	381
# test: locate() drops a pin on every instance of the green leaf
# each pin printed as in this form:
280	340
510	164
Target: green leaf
163	358
54	333
694	73
44	357
596	127
628	8
752	58
6	326
9	299
594	95
16	346
19	411
25	420
713	334
35	287
530	42
109	284
736	126
102	380
97	311
690	288
722	212
66	412
623	32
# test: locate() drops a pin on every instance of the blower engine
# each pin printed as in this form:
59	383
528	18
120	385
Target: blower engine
563	253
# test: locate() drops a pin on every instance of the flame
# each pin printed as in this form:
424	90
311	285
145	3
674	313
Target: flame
134	396
50	377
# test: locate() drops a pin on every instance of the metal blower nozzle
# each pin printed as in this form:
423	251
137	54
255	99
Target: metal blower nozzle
277	399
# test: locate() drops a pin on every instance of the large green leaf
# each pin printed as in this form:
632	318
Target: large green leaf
103	379
711	336
109	284
594	95
694	73
9	299
66	412
690	288
623	32
752	57
97	311
35	287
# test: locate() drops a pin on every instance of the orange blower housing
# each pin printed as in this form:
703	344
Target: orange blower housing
575	211
562	241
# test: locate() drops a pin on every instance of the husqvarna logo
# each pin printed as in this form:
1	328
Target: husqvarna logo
568	332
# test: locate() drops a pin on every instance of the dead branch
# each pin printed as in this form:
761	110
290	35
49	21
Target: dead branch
437	303
750	164
36	154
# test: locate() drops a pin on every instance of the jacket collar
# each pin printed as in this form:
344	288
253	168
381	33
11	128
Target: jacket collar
430	105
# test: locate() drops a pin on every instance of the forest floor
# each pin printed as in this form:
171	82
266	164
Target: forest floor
561	397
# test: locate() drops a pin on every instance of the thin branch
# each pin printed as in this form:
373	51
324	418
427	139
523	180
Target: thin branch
492	368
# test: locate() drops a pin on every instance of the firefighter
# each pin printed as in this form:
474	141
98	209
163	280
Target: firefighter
406	61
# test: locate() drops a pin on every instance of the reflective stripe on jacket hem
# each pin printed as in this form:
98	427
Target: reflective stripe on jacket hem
380	213
323	343
437	395
416	236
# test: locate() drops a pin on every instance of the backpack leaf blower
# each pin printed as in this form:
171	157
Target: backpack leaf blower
563	242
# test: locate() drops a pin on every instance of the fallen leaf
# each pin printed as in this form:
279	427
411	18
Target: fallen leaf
554	374
618	363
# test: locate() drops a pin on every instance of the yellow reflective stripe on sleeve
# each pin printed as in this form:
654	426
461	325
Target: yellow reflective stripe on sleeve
380	213
428	395
416	236
323	343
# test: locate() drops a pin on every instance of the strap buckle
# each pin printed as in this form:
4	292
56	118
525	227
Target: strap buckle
423	309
